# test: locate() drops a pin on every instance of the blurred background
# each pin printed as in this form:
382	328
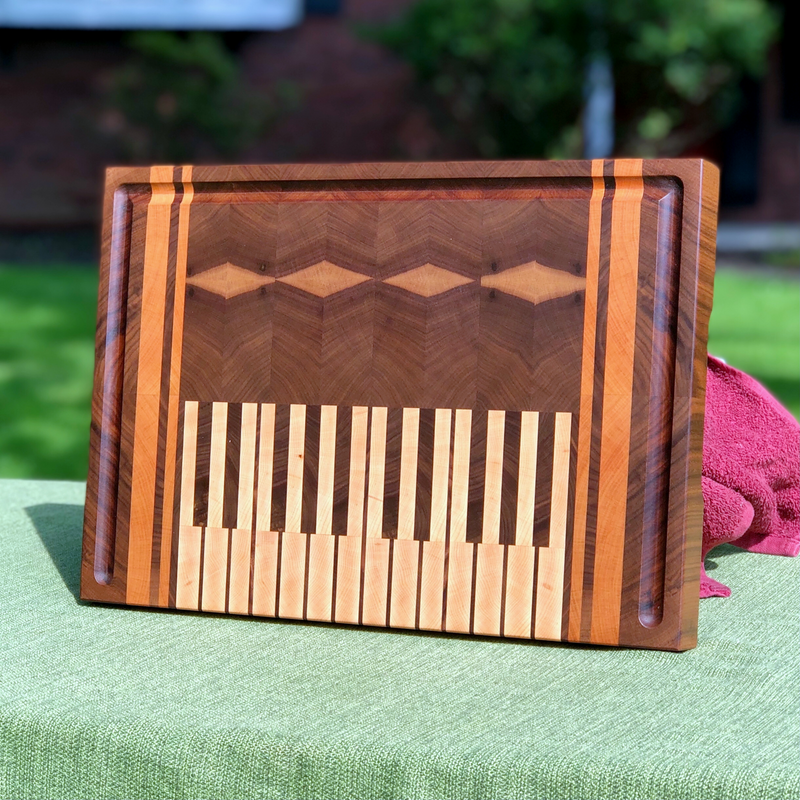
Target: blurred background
89	83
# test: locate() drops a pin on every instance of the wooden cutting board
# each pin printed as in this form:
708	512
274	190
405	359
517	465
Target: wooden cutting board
462	397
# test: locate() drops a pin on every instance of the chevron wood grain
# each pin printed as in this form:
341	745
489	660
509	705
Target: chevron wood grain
447	397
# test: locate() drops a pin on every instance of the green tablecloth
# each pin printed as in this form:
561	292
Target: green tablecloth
117	703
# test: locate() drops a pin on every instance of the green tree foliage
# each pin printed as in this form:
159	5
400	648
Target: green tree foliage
181	98
509	74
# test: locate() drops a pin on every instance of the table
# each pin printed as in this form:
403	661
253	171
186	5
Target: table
105	702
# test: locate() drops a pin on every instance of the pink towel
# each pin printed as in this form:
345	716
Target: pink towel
751	470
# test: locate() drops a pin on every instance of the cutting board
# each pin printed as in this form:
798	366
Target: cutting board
459	397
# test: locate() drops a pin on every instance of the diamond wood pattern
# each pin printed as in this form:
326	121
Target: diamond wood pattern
451	397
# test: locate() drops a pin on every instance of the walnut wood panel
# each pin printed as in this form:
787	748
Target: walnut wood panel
453	397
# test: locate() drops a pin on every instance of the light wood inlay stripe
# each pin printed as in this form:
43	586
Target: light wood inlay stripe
215	569
432	586
188	461
376	581
239	581
348	578
294	477
174	382
526	493
327	462
187	588
377	472
441	475
320	578
519	592
266	447
293	575
247	465
216	466
550	584
148	388
549	594
495	434
408	473
405	563
560	493
587	400
459	586
618	384
265	571
358	471
488	589
460	490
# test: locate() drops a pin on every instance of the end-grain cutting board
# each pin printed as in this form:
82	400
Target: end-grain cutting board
461	397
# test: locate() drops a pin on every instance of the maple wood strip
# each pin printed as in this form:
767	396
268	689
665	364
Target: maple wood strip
614	449
239	578
550	580
549	593
174	386
358	470
266	445
459	498
441	475
348	579
526	494
495	432
247	465
293	575
327	462
148	386
294	474
215	569
587	398
488	589
320	578
560	492
459	586
405	563
376	578
432	585
216	467
265	571
187	587
408	474
377	472
188	462
519	591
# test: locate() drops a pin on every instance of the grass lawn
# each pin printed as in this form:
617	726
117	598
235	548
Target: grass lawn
47	318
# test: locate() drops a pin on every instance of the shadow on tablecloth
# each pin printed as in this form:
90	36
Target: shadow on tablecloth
60	527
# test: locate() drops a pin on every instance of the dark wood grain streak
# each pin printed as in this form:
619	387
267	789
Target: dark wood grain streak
280	468
203	465
230	507
161	453
544	480
511	458
573	467
341	470
391	484
422	518
477	466
597	407
311	470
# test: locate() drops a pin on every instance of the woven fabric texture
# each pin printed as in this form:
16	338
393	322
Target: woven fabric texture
102	702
